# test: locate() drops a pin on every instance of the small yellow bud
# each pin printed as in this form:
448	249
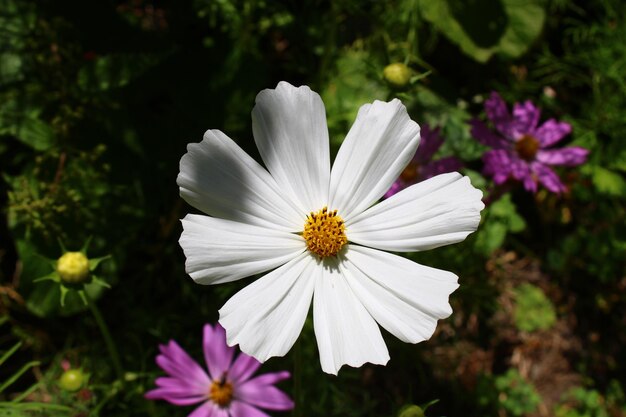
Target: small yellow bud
397	75
73	267
73	379
412	411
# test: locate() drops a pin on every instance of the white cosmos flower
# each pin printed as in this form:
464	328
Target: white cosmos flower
319	231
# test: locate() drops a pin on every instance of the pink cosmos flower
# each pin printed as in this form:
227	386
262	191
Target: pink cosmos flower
421	167
522	149
227	389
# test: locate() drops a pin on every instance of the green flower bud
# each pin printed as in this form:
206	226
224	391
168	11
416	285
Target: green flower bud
397	75
412	411
72	380
73	268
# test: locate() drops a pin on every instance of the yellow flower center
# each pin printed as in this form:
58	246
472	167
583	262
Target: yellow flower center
324	233
73	267
221	392
527	147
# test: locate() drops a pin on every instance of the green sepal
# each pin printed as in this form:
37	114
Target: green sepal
86	246
64	291
93	263
52	276
100	282
52	262
83	296
429	403
61	245
419	77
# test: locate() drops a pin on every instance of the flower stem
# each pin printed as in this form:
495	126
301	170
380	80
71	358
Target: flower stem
106	335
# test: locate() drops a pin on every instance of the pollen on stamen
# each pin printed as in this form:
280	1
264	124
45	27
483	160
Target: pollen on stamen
221	392
324	233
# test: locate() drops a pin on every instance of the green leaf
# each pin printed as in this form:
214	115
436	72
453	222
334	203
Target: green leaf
26	409
490	236
115	70
500	219
26	126
608	182
354	83
482	28
18	374
533	310
10	68
10	352
17	19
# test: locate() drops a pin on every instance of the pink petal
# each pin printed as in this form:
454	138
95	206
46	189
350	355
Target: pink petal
430	143
241	409
530	184
526	117
548	178
190	385
520	169
268	397
271	378
176	362
570	156
498	164
486	136
499	114
175	396
551	132
209	409
261	393
217	354
397	186
243	368
443	165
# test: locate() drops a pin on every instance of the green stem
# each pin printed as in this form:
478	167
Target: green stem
106	335
297	379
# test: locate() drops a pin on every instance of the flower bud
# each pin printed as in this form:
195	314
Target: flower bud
398	75
73	268
412	411
72	380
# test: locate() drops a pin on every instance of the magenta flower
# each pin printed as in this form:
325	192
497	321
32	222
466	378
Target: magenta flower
522	150
227	389
421	167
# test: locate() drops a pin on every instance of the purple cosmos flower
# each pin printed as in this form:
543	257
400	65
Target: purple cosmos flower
227	390
522	150
421	167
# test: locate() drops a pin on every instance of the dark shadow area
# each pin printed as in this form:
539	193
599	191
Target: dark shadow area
484	21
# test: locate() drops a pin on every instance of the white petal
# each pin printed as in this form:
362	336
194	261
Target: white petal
219	178
404	297
380	144
289	126
266	317
345	331
219	250
436	212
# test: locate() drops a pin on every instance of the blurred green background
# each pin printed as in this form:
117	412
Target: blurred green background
98	100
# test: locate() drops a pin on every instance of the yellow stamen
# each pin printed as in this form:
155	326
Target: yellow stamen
324	233
221	392
527	147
